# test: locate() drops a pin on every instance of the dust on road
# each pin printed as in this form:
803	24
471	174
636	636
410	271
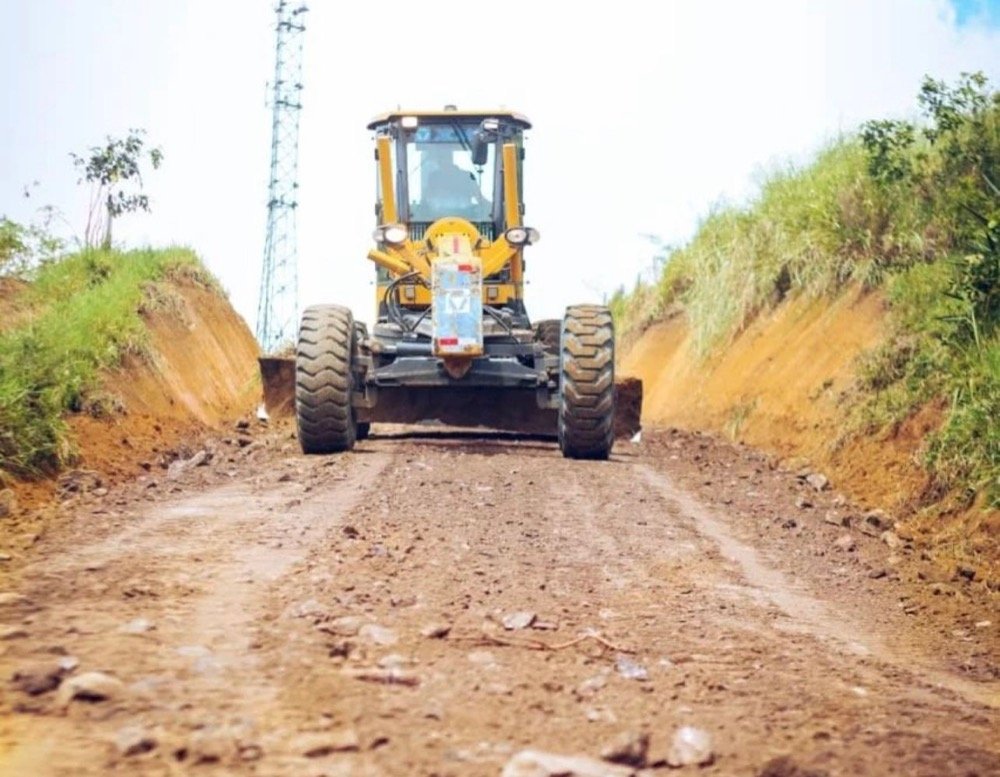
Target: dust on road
433	604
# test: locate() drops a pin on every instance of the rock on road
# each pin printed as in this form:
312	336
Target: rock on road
436	604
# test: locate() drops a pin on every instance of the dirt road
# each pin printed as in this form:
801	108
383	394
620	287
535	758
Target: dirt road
272	614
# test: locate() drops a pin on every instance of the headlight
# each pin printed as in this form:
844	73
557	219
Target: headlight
516	236
519	236
394	234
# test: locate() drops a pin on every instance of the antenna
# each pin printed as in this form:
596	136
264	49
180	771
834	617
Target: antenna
278	304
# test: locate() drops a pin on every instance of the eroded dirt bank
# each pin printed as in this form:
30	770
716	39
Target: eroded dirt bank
198	372
784	385
261	612
779	386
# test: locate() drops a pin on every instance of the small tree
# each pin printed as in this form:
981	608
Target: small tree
114	172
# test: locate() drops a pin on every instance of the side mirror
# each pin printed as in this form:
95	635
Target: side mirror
487	131
480	148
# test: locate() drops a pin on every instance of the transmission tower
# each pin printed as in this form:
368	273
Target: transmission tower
278	305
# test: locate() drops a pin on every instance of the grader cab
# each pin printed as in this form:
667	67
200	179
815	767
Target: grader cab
452	340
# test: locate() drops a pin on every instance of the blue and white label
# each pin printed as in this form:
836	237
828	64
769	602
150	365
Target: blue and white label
457	318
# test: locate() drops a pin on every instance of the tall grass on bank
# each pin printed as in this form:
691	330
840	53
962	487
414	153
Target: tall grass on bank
84	315
912	209
813	229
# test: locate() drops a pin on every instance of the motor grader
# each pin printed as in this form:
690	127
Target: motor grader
452	340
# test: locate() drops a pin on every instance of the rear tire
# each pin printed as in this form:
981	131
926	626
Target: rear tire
587	383
324	380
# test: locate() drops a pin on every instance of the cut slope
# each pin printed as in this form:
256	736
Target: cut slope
200	371
784	385
778	386
195	370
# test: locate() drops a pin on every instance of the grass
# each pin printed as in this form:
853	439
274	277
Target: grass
84	315
811	230
738	416
913	210
926	360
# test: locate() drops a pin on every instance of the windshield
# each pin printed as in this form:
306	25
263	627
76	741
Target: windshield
441	179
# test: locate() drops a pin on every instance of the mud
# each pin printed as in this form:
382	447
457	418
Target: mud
273	614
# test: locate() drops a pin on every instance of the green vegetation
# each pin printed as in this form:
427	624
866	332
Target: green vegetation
82	313
911	209
114	174
23	246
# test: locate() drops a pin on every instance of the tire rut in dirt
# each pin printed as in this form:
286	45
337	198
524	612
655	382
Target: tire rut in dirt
587	374
183	564
323	380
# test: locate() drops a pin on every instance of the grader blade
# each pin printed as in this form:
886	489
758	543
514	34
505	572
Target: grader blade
277	377
485	408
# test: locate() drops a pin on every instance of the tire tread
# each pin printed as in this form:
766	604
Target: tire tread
324	380
587	383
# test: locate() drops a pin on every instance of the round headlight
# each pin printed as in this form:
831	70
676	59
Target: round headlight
395	234
517	236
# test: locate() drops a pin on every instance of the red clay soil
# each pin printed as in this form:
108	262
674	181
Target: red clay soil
203	372
200	372
435	602
781	386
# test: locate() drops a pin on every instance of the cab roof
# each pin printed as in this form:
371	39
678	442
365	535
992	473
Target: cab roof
385	118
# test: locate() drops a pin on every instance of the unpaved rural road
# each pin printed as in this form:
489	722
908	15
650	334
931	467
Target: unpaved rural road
273	614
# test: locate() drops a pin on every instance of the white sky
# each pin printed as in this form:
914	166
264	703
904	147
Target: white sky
645	113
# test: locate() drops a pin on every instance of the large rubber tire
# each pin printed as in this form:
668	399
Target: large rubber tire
587	383
324	380
548	332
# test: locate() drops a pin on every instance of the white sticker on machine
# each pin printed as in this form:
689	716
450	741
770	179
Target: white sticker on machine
457	291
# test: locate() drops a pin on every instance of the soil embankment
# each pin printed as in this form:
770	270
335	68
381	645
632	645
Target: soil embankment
199	370
778	385
783	385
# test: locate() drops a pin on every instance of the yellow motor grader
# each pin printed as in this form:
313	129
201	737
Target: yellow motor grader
452	340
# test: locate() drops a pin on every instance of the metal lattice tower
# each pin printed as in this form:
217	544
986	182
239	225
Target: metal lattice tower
278	305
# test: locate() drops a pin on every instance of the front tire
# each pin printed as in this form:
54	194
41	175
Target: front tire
587	383
324	380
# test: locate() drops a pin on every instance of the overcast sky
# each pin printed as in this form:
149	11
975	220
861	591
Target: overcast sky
645	113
